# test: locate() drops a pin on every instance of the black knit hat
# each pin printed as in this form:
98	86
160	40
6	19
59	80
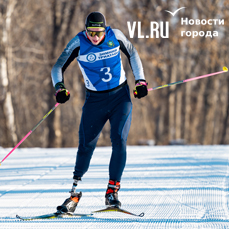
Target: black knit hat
95	20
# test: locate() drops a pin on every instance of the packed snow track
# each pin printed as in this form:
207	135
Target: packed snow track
175	186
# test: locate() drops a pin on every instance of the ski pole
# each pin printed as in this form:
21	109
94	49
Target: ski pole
225	69
30	132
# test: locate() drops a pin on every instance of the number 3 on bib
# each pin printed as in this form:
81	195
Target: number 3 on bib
106	73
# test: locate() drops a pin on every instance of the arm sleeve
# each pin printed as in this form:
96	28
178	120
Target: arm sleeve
130	51
68	55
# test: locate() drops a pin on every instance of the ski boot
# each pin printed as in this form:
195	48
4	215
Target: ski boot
111	197
70	203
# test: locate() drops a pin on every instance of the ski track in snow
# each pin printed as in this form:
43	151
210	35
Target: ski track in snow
175	186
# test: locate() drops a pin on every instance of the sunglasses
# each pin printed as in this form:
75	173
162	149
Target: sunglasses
93	33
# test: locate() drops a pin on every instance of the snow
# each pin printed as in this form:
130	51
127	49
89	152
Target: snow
175	186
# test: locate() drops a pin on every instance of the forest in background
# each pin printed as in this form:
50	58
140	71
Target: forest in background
34	33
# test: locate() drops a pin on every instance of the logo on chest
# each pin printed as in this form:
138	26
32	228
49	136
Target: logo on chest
110	43
91	57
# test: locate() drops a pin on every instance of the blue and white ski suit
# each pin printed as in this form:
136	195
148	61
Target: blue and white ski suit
107	94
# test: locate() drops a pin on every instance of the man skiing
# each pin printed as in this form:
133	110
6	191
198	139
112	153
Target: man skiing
97	50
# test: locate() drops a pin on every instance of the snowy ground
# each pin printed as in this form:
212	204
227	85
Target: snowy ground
175	186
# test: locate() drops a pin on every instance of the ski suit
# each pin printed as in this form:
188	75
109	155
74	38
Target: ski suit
107	94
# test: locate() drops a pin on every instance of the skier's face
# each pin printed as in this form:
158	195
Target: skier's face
95	38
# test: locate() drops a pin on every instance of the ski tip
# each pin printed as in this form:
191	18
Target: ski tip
142	214
225	69
17	216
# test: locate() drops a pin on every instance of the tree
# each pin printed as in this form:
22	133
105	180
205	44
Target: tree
7	70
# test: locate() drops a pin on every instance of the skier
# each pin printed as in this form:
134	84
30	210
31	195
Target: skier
97	50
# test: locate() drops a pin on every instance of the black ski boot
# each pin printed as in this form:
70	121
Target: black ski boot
71	203
111	197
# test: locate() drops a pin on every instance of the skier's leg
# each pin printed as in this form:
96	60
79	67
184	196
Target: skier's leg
92	121
120	124
84	154
120	121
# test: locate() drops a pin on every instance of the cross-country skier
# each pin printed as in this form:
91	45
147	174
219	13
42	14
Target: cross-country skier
97	50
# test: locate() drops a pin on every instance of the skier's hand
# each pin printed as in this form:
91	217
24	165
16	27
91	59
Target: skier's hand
140	89
62	94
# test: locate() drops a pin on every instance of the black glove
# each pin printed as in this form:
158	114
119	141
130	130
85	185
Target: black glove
62	94
140	89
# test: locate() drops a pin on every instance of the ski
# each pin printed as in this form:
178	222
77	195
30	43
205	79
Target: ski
69	215
52	216
117	209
